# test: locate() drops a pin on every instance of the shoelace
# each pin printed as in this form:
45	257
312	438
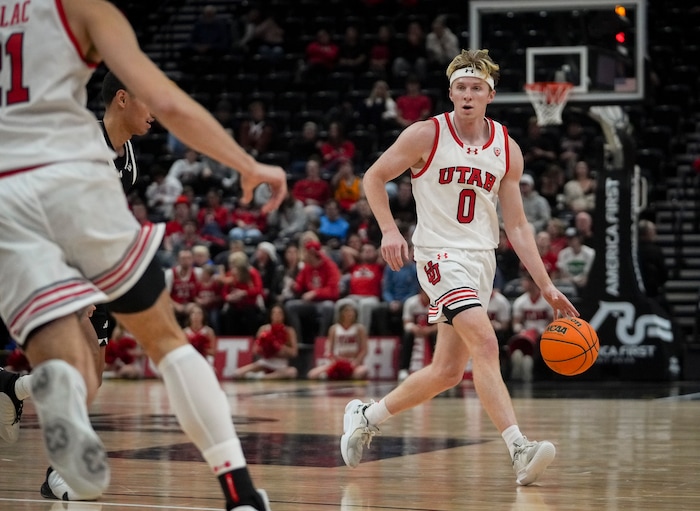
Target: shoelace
520	448
369	431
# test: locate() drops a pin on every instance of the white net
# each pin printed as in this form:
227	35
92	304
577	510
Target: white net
548	99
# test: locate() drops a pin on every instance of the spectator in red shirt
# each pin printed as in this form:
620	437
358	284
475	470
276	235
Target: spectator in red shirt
181	281
413	105
200	334
312	191
381	53
213	210
208	295
321	56
256	133
336	148
549	256
181	213
317	289
364	285
242	312
248	223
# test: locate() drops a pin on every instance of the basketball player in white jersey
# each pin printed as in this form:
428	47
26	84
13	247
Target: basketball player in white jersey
55	173
125	116
461	164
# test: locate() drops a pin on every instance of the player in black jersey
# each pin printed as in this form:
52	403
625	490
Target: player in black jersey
125	117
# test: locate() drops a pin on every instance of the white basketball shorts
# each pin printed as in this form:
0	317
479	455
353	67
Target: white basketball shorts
455	278
67	240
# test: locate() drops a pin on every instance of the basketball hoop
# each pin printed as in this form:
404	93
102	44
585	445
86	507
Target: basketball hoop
548	99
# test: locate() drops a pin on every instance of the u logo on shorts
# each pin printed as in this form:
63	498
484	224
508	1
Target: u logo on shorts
432	271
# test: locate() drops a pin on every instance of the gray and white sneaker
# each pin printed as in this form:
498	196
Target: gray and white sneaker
357	432
74	449
531	459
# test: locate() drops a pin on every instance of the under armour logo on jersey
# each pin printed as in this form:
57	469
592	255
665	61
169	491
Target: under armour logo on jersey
432	271
471	150
497	151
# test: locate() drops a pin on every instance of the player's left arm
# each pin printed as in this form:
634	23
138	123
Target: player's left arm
520	233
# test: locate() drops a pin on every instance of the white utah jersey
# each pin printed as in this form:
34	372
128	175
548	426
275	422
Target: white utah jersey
456	191
43	114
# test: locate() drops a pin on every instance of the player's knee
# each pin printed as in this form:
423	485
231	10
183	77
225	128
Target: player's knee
143	294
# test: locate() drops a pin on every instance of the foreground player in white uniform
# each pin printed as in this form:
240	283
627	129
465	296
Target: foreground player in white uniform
461	164
68	239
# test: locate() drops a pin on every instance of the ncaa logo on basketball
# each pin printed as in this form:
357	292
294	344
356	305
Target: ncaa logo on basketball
557	328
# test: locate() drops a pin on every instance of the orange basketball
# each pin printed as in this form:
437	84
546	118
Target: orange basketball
569	346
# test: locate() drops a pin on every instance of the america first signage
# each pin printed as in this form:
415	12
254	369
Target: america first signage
635	332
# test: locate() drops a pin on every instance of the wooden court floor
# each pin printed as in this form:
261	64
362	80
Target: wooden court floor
621	446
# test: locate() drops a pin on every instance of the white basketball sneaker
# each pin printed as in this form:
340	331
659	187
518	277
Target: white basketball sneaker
357	432
74	449
531	459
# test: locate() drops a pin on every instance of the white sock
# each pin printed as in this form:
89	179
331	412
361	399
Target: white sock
377	413
201	407
22	387
510	435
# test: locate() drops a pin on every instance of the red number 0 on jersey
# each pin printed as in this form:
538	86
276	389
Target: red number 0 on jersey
17	93
465	211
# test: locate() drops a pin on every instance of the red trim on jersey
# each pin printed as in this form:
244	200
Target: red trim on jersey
39	303
492	130
432	151
71	35
492	133
8	173
452	130
128	263
507	148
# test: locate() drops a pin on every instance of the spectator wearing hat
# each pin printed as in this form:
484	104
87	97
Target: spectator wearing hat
536	207
266	261
575	261
316	289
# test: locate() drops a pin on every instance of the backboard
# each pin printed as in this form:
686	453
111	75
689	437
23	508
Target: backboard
598	45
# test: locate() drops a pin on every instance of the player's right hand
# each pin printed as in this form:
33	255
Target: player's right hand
394	249
274	176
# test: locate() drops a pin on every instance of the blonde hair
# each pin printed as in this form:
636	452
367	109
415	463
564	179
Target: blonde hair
479	60
239	261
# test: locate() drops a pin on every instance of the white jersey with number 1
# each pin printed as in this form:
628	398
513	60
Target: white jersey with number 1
43	119
456	191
